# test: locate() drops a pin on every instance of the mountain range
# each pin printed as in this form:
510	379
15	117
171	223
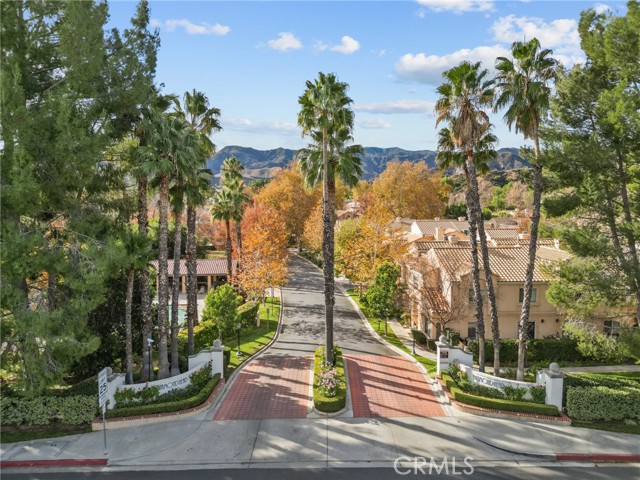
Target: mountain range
262	163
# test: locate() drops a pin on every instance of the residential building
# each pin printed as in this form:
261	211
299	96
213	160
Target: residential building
211	273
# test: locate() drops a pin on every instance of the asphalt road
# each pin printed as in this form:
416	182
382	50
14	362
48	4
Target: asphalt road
555	472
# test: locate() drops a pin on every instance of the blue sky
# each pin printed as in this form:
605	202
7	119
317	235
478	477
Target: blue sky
252	59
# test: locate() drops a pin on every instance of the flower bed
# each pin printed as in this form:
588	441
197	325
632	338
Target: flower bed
329	386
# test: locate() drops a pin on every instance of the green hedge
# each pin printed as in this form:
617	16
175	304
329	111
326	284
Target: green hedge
71	410
496	403
419	336
603	403
166	407
321	402
544	350
248	314
596	380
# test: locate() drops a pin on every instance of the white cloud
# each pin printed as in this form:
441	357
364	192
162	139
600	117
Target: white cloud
421	13
249	126
560	35
376	123
348	45
428	69
457	6
602	8
191	28
285	41
397	106
320	46
379	53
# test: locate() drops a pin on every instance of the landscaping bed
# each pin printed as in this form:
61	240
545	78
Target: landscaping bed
494	403
329	385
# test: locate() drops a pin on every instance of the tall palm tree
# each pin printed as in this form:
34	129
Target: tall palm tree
196	190
326	116
203	121
166	147
223	210
522	86
184	167
463	95
231	178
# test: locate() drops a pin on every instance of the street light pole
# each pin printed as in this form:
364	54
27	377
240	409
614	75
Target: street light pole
149	342
238	353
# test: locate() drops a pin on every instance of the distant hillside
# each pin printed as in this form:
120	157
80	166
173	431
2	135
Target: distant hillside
262	163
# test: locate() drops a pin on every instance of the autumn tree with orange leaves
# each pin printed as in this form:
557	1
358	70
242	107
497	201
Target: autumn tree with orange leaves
264	250
364	244
410	190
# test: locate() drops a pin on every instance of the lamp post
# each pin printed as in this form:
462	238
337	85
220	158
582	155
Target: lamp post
413	336
268	320
149	343
238	325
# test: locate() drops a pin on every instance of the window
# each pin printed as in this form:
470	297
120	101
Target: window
534	295
471	330
612	327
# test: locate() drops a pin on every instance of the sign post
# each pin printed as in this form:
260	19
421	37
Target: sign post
102	402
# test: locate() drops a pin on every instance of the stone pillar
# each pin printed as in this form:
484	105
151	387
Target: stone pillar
217	358
114	381
553	381
443	354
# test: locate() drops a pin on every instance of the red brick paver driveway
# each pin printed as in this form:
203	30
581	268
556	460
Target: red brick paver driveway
389	386
273	386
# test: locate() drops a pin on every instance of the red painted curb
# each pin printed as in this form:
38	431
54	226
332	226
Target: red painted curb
63	462
598	457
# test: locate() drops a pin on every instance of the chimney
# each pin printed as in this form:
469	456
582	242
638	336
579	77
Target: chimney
556	244
439	233
462	219
453	239
523	236
437	219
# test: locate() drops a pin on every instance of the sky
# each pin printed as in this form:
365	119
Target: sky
252	59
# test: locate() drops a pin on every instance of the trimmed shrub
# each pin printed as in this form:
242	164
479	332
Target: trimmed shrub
538	394
71	410
419	336
496	403
542	351
603	403
248	314
165	407
322	402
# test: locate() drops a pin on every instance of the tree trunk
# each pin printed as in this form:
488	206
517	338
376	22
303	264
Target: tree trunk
528	277
238	246
175	291
627	228
163	287
328	199
491	296
229	247
475	274
127	326
192	278
145	294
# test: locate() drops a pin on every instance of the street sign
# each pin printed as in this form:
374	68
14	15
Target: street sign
102	387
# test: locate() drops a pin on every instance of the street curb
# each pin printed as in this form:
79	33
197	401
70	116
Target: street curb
63	462
543	456
599	457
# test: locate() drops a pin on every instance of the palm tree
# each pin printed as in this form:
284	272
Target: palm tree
203	121
196	189
522	86
326	116
462	96
166	147
136	248
223	210
231	178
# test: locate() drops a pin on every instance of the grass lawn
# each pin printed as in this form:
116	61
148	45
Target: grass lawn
391	337
254	340
608	426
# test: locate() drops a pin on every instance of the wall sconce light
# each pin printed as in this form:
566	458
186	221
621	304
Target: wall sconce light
542	320
557	320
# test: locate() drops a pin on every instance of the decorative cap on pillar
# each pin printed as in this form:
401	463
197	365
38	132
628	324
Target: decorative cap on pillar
554	367
217	345
443	339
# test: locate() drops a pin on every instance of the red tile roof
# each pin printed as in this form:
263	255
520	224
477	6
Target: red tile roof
217	266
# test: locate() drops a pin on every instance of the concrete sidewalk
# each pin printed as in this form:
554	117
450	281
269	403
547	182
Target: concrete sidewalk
405	336
331	442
